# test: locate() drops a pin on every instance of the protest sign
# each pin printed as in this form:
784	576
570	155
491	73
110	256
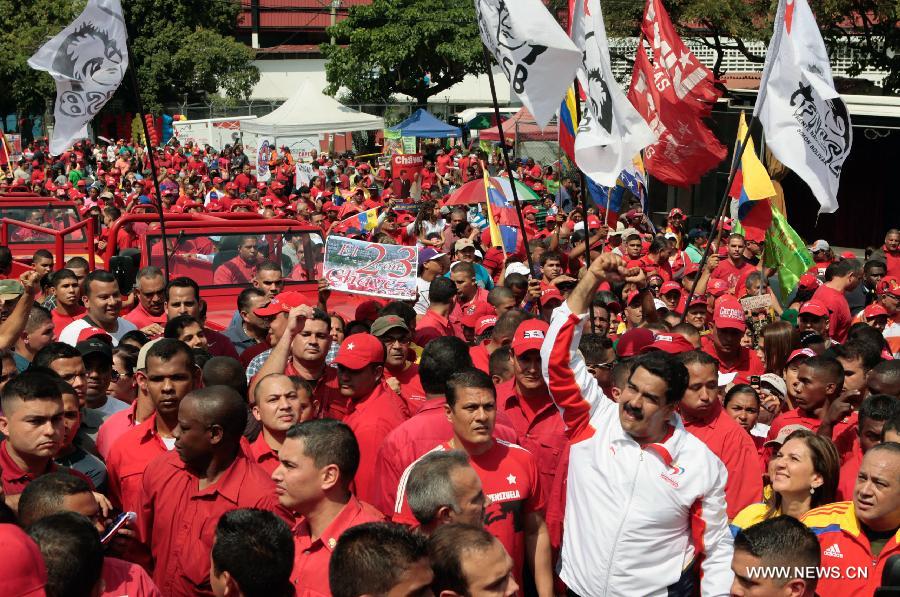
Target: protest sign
303	175
409	164
360	267
409	145
262	162
752	303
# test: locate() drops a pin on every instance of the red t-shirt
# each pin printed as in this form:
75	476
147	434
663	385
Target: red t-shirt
177	520
141	318
727	271
411	389
124	578
745	365
839	318
234	271
117	425
371	420
311	557
60	321
15	480
480	357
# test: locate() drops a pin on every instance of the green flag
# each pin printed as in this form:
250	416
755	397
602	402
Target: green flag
787	253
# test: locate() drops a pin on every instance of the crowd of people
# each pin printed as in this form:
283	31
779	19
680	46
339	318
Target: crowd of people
635	421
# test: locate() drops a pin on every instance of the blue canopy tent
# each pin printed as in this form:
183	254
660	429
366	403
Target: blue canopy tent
422	124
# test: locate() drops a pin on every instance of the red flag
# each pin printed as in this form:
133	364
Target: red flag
680	76
686	149
4	149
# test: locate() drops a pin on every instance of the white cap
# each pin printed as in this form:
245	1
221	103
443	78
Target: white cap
517	268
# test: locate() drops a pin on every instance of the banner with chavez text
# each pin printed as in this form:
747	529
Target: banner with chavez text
360	267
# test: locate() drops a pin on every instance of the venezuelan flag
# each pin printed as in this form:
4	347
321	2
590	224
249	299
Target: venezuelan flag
751	187
364	221
568	124
489	193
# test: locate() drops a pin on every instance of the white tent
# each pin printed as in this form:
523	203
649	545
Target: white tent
311	112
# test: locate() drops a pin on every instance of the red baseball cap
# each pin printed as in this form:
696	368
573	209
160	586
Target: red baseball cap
22	573
676	213
717	287
633	342
808	282
470	320
282	303
552	294
874	310
529	209
631	296
94	332
671	287
690	268
800	352
811	308
360	350
484	324
699	300
730	314
670	343
594	222
529	336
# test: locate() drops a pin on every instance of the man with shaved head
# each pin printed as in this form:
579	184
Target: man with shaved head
186	491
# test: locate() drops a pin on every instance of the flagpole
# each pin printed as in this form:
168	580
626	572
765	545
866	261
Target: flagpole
739	153
512	180
584	208
159	208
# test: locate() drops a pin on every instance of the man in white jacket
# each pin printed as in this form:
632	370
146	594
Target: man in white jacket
645	505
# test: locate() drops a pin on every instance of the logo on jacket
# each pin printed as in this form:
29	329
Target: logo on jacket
833	551
674	470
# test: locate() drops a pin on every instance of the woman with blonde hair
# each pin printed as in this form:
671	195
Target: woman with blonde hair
804	474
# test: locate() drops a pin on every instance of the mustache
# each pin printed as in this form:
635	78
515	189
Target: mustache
634	412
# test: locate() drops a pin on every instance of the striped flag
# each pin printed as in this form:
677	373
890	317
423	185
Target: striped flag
568	124
364	221
751	187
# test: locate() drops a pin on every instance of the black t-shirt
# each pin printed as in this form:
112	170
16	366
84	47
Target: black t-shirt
877	539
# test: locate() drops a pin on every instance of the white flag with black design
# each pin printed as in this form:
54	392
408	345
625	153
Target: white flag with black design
611	131
806	123
87	60
534	52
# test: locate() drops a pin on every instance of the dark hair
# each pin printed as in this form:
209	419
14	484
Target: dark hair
879	407
667	368
783	544
37	317
175	326
243	299
72	553
873	263
858	349
497	294
41	254
889	369
499	362
268	266
222	406
446	547
863	332
687	330
698	357
136	336
128	354
98	275
78	263
839	269
256	548
891	425
167	349
826	462
183	282
54	351
440	359
225	371
328	441
371	558
827	367
44	496
320	315
57	277
470	378
549	255
593	347
404	311
741	388
30	385
780	338
441	290
509	322
463	267
517	280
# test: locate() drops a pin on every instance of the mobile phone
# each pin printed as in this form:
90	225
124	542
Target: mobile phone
754	381
117	523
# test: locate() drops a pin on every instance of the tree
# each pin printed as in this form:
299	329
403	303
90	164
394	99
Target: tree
391	46
180	47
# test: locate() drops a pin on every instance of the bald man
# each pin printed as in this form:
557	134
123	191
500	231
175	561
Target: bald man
207	475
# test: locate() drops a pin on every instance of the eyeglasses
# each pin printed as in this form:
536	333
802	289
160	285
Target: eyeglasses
607	365
401	341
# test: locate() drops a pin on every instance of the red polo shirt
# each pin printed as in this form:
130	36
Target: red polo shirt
141	318
510	478
798	417
480	357
372	419
128	458
541	432
260	453
411	389
422	432
15	480
60	321
727	271
234	271
113	428
849	471
311	556
839	318
332	403
734	447
463	308
745	365
433	326
219	344
124	578
177	520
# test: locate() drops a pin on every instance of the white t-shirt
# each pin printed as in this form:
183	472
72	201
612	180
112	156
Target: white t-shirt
422	302
69	335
